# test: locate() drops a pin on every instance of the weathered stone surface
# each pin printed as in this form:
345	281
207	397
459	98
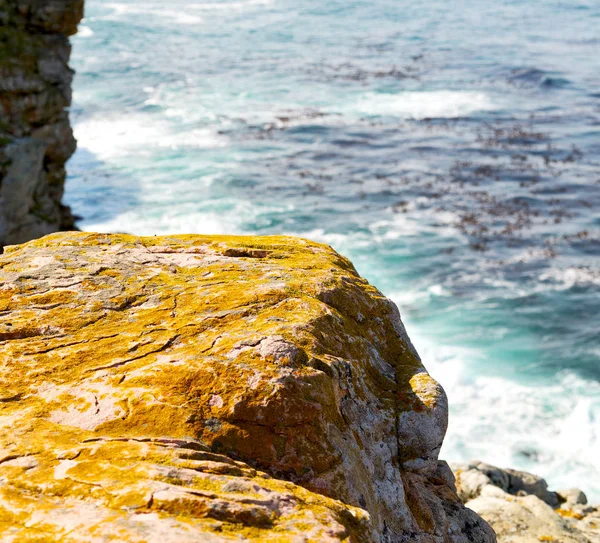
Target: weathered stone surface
149	382
36	138
521	509
158	490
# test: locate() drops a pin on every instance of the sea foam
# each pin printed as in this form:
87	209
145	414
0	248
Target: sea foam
551	429
422	105
109	138
84	31
182	16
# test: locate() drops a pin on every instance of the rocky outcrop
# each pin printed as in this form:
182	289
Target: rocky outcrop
241	389
521	509
36	138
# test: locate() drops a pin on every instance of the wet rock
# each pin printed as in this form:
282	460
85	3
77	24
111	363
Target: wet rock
36	138
214	388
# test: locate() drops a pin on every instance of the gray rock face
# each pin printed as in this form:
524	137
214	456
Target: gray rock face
36	139
521	509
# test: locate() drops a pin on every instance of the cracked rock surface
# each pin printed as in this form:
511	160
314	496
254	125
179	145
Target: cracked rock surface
193	388
36	138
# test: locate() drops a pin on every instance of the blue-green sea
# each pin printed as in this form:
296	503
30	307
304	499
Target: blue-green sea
450	149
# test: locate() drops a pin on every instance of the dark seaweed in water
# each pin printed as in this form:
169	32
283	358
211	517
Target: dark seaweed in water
512	187
350	71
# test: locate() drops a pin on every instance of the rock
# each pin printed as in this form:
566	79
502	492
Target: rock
473	477
572	496
159	490
36	138
521	509
251	388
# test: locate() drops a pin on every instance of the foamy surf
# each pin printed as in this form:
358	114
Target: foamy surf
550	429
164	222
84	31
182	16
423	105
110	138
228	5
184	13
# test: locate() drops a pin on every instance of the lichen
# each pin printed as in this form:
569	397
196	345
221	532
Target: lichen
169	375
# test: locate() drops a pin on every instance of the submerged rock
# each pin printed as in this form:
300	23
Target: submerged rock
36	138
521	509
253	389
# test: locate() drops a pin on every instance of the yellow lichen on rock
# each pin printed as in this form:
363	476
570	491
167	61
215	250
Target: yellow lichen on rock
148	385
176	489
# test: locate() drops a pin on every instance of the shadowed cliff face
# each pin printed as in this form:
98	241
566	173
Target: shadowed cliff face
36	138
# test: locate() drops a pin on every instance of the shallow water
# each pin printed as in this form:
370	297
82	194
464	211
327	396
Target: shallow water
451	153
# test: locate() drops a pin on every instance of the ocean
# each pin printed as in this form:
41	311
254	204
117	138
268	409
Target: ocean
451	150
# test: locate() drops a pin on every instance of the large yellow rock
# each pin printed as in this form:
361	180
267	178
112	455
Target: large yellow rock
195	388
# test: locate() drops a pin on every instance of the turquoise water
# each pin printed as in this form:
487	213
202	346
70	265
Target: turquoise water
451	153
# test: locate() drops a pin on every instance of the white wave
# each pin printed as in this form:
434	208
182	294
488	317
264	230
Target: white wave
552	430
181	16
167	207
569	277
136	133
84	31
184	14
342	242
438	290
132	223
428	220
418	297
552	279
162	222
422	105
239	5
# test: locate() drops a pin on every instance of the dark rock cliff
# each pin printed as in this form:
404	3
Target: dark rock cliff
36	139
